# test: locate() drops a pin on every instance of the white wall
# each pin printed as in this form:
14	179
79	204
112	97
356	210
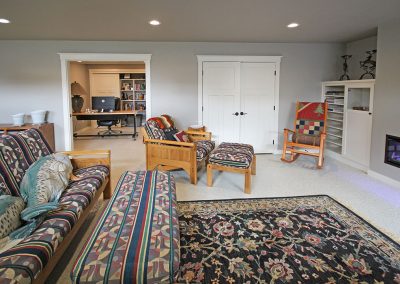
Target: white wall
387	97
30	76
79	73
358	50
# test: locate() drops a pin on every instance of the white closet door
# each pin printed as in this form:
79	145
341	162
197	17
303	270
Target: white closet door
221	99
257	104
104	85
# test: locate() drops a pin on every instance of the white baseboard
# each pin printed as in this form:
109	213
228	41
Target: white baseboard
384	178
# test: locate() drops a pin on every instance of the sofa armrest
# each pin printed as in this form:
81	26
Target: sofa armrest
169	142
198	135
87	158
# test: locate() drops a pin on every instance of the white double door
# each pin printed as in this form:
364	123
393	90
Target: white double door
239	103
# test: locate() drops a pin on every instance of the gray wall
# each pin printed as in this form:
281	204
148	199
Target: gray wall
387	97
30	76
357	49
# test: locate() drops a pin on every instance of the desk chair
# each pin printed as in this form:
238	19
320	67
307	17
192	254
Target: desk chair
113	104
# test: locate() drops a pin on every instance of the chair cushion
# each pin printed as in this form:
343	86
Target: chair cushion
181	136
306	139
153	130
203	148
309	127
235	155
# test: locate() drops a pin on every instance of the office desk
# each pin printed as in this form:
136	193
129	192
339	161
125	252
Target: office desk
115	115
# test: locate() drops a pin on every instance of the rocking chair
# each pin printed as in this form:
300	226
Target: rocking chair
309	135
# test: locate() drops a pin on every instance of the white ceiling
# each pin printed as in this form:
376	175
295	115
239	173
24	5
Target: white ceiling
196	20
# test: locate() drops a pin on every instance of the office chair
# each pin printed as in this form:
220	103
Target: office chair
109	123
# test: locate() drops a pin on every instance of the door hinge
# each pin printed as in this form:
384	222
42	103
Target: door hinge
275	72
202	73
273	142
202	108
274	107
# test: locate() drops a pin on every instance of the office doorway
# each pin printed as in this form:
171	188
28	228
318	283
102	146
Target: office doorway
108	62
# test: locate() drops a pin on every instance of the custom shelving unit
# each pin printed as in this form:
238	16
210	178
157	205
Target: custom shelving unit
349	120
133	94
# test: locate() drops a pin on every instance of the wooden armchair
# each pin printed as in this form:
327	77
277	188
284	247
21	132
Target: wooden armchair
309	135
170	155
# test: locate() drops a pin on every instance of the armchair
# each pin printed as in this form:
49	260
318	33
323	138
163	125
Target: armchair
309	135
171	155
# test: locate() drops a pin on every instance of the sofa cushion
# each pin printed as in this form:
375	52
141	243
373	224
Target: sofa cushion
203	148
22	263
33	144
100	172
181	136
10	210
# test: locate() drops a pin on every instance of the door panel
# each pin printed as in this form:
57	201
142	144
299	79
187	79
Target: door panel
221	98
257	102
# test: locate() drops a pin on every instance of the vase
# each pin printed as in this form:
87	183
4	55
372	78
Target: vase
77	103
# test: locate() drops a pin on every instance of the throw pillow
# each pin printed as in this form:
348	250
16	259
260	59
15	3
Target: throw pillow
46	179
167	120
10	210
181	136
170	134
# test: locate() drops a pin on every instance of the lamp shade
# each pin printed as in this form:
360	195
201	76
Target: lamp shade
77	89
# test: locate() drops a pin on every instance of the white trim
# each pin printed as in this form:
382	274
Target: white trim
66	98
384	178
239	58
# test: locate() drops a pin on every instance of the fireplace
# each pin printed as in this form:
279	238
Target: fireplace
392	150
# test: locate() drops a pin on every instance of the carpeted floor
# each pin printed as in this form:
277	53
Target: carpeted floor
310	239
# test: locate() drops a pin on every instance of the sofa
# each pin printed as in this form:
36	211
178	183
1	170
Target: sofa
33	259
166	153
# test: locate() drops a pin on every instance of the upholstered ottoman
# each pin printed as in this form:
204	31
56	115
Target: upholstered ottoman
233	157
136	240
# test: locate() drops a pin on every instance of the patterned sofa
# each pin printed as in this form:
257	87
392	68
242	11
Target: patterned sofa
32	260
169	154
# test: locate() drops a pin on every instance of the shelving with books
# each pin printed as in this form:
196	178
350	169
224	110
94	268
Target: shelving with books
133	95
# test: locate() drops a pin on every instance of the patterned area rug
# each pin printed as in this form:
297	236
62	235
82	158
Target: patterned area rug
310	239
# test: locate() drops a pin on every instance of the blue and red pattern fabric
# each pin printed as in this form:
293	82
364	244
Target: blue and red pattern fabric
136	240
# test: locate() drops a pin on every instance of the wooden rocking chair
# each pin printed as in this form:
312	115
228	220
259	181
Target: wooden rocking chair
309	135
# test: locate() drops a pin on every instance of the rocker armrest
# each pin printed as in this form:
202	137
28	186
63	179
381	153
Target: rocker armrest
288	130
199	134
169	142
87	158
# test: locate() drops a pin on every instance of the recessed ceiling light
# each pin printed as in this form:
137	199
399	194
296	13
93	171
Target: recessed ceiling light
293	25
4	21
154	23
79	61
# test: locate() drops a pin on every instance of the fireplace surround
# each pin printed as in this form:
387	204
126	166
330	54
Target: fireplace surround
392	150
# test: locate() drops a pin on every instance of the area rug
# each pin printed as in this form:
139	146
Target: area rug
309	239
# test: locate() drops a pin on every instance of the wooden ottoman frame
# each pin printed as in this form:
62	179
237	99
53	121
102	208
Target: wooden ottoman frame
251	170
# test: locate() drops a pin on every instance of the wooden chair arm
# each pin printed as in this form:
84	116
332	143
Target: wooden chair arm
169	142
87	158
204	135
288	130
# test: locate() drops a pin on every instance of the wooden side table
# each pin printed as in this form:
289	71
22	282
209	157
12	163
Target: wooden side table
47	130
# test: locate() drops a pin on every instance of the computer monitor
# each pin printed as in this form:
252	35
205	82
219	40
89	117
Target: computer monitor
104	103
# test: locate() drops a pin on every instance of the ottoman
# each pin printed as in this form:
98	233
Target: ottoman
233	157
136	240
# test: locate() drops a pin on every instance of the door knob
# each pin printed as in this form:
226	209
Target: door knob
243	113
236	113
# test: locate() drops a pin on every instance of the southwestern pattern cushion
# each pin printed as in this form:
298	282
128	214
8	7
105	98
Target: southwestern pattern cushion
232	155
203	148
22	263
154	131
137	238
10	210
